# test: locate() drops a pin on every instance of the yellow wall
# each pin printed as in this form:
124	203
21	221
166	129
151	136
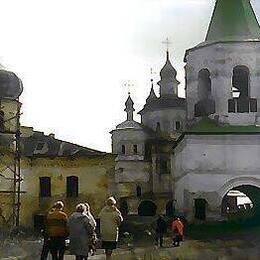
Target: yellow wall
94	174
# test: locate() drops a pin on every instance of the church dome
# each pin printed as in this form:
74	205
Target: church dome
129	125
10	85
168	70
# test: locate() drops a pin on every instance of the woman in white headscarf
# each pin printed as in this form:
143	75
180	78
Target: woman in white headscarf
110	220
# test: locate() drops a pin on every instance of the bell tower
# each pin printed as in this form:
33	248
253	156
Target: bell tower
222	73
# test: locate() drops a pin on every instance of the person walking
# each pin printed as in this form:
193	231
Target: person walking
161	228
93	239
90	216
46	240
110	220
57	230
81	230
177	228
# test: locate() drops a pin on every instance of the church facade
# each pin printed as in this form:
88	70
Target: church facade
187	154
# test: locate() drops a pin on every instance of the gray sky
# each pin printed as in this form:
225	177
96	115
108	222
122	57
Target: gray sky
74	57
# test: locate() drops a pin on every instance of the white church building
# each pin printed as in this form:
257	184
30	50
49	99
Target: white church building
186	155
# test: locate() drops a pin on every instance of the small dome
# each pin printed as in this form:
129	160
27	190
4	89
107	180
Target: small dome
10	85
129	125
168	70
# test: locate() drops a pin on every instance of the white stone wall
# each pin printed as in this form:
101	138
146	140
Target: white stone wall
220	59
208	166
128	137
166	118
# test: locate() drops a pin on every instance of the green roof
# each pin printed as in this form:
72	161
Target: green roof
233	20
206	125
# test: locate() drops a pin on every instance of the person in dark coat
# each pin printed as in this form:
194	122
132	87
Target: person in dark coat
46	240
161	228
81	229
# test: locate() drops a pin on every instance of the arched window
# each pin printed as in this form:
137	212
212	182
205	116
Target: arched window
138	191
123	149
206	104
72	186
158	127
177	125
1	121
135	149
240	82
204	84
241	101
45	187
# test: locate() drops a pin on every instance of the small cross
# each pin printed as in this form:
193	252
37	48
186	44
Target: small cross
128	85
152	73
167	42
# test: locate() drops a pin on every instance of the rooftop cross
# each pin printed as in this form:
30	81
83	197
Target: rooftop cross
167	43
152	73
128	85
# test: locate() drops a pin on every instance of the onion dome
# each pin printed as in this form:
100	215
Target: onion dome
168	70
11	86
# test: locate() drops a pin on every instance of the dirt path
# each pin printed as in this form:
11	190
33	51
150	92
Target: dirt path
232	248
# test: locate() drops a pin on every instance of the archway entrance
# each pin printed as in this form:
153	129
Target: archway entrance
147	208
242	202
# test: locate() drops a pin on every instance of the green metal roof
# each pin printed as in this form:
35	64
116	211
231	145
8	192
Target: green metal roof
233	20
206	125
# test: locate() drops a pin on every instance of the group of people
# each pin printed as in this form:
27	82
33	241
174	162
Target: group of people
177	228
80	229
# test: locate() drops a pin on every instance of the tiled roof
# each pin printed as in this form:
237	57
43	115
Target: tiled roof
40	145
164	102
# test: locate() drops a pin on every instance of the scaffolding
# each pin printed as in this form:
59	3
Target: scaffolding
14	168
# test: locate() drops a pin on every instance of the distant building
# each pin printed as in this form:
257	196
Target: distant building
187	154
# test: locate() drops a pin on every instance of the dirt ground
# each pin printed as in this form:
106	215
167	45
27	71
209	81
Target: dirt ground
246	247
206	242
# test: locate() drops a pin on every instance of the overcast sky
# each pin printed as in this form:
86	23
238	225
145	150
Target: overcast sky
75	56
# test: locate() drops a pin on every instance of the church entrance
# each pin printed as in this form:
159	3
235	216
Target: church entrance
147	208
200	209
242	202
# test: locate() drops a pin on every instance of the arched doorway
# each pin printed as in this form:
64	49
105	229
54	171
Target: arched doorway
242	202
147	208
200	206
124	207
